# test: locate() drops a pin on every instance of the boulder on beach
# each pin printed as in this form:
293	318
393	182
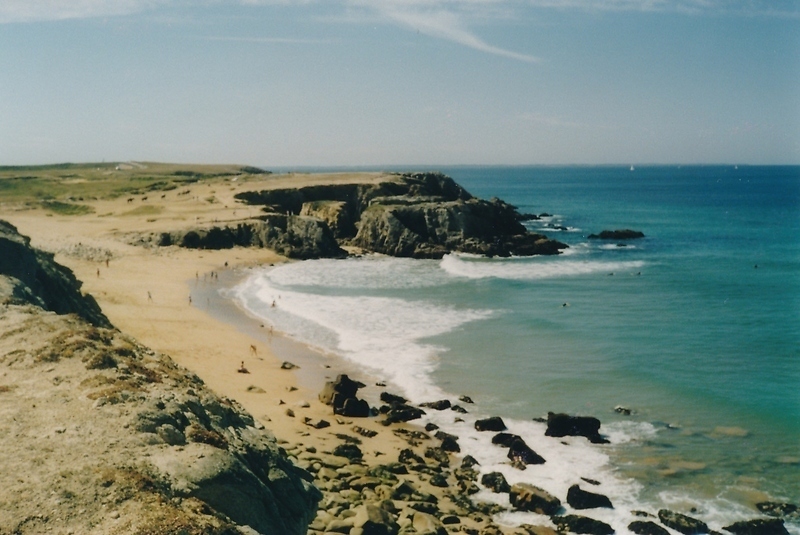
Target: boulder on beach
581	524
440	405
582	499
526	497
563	425
646	527
496	482
505	439
341	393
758	526
494	423
519	451
682	523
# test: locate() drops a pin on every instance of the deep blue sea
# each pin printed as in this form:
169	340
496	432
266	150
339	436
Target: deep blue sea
694	328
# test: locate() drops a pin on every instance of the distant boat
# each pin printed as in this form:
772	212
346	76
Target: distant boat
632	169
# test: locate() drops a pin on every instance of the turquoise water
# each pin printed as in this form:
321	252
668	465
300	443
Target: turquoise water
694	328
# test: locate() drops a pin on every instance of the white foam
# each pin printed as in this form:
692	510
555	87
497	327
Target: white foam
383	334
568	460
368	272
529	268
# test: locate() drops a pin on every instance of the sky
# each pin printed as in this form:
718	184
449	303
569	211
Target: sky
400	82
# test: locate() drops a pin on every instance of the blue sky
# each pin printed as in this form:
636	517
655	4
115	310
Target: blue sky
400	82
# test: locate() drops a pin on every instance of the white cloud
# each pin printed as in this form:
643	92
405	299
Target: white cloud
433	18
37	10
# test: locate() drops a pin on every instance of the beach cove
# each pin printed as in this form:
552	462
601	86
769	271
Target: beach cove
162	296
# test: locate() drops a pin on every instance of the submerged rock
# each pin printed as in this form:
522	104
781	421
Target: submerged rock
625	234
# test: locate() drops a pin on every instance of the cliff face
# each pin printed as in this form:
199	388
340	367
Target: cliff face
103	435
420	215
32	276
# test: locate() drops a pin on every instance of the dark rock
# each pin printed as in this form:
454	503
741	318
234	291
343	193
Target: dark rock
496	482
386	397
465	399
520	452
582	524
449	442
341	393
494	423
373	520
682	523
504	439
581	499
439	455
34	277
525	497
469	461
407	456
625	411
348	451
645	527
459	409
777	509
402	413
617	235
354	408
437	405
298	237
429	427
438	480
342	385
562	425
758	526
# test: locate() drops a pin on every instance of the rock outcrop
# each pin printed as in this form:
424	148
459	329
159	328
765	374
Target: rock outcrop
419	215
300	237
31	276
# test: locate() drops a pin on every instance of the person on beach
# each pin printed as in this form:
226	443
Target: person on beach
149	297
242	369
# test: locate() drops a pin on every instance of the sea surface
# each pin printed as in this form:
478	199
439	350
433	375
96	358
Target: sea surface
695	329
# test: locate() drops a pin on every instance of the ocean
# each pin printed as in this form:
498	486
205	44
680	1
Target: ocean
695	329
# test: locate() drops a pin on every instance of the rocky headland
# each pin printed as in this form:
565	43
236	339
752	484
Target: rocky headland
417	215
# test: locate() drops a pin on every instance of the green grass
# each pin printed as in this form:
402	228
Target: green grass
70	182
65	208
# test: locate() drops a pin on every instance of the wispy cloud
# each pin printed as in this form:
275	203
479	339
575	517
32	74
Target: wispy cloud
449	20
36	10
